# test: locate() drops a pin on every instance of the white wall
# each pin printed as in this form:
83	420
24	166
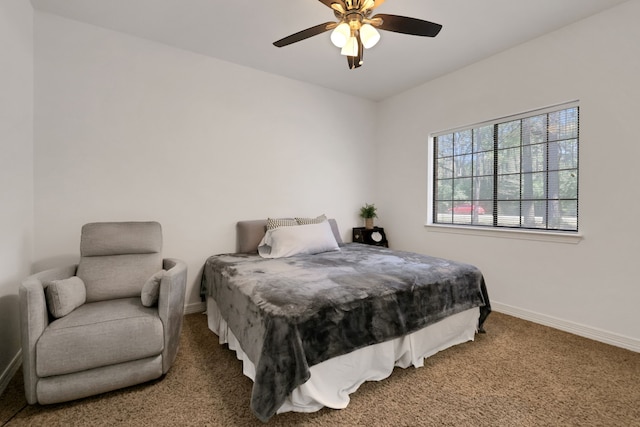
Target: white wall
128	129
16	172
592	286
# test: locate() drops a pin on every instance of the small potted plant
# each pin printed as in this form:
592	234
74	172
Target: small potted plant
368	212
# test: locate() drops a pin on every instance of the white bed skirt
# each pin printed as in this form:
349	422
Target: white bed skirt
333	380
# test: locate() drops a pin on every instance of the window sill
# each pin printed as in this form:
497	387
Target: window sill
541	236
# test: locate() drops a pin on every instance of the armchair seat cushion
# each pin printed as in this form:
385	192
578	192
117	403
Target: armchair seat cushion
99	334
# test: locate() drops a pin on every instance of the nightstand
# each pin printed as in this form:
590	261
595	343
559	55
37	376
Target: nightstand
374	236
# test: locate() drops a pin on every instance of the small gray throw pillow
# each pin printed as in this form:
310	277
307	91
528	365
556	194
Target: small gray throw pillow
151	289
64	296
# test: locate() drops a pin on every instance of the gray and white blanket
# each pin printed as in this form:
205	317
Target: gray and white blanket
292	313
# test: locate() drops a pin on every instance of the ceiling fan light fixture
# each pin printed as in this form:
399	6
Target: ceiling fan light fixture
341	34
356	30
337	7
351	48
368	4
369	36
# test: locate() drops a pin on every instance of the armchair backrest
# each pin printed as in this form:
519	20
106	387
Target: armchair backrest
117	258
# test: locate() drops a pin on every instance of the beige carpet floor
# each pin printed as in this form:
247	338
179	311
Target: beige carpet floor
518	374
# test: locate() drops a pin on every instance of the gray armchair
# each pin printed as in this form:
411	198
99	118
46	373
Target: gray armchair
111	321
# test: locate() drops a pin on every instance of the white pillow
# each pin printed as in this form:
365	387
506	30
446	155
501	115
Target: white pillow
302	239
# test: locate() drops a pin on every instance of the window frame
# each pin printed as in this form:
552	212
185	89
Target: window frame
545	234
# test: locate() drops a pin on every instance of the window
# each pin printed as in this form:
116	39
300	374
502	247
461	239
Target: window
518	172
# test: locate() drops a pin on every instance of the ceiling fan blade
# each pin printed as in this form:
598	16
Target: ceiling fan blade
305	34
329	2
405	25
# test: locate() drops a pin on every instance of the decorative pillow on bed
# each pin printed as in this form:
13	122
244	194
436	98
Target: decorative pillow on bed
317	220
303	239
64	296
280	222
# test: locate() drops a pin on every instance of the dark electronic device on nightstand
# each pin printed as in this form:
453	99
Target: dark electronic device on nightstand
373	236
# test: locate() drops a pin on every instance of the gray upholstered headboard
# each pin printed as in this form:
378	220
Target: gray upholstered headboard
250	233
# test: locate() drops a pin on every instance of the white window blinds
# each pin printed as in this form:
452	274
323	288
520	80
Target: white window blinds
516	172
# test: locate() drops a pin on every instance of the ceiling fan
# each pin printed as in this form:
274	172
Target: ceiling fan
356	28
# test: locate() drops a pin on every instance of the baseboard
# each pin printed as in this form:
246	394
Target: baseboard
11	370
571	327
197	307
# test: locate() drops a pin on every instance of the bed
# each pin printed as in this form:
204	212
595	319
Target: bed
310	328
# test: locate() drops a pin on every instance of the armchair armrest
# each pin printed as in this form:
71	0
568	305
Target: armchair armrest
34	318
171	307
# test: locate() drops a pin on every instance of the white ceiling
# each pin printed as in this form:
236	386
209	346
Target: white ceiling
242	32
